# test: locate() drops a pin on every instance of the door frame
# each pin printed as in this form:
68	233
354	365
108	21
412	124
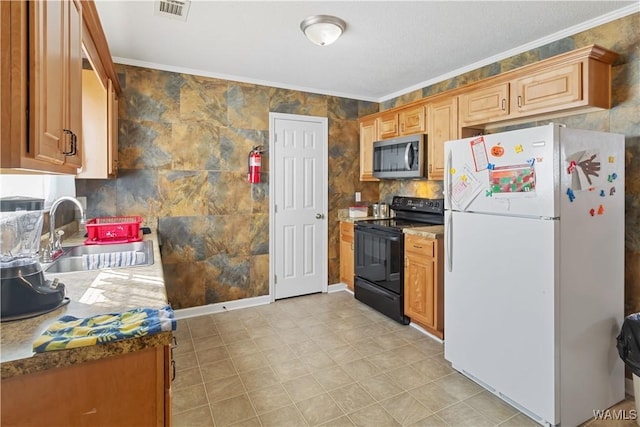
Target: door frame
273	116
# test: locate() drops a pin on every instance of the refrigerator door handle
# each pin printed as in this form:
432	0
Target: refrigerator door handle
449	241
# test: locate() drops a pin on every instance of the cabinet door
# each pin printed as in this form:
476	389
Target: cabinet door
73	80
368	135
419	287
442	126
388	125
47	21
413	120
543	91
346	254
484	105
112	130
123	390
56	95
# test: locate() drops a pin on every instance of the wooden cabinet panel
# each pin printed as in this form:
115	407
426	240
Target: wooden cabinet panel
424	283
368	134
484	105
418	288
56	66
442	127
100	128
413	120
346	254
124	390
112	129
388	125
547	89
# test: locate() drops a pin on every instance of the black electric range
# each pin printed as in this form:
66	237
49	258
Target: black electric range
379	253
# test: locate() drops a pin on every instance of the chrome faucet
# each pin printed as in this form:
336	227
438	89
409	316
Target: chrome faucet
55	239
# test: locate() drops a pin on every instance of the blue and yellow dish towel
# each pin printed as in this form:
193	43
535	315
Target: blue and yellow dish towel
71	332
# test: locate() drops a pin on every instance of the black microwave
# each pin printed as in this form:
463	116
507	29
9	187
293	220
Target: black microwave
400	158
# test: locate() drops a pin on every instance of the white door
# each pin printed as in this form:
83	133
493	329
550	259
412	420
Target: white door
298	166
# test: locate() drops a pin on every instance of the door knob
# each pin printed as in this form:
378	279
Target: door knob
319	216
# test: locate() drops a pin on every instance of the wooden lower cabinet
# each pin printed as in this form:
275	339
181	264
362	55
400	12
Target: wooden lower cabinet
346	254
424	283
132	389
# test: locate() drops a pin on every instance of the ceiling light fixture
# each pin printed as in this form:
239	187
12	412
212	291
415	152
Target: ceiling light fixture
323	29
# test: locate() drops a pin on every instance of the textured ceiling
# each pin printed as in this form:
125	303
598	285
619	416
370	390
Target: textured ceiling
388	48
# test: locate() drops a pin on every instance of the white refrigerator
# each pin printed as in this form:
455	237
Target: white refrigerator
534	268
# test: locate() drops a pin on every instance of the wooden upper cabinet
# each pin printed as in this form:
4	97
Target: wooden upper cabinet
368	134
406	121
41	76
413	120
547	89
484	104
55	103
577	81
387	124
443	126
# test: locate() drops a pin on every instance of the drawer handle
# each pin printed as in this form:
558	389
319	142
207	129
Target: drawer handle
519	101
417	247
504	104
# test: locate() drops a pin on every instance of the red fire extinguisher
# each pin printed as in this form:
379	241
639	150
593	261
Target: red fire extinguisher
255	162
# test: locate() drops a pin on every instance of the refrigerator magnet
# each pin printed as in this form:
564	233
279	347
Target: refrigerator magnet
612	191
600	210
519	148
479	152
497	150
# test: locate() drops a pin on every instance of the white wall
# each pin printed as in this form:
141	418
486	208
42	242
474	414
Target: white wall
47	187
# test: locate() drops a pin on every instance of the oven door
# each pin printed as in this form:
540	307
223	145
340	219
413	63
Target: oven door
379	257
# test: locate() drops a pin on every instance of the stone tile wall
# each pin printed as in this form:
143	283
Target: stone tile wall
183	147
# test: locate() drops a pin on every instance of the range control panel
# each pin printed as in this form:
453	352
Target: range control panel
418	204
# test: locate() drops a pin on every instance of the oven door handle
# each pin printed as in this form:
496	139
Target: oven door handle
394	237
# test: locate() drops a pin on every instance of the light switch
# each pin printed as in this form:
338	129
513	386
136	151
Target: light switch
358	196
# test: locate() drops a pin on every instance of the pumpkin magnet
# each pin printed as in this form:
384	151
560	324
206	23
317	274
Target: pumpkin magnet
497	151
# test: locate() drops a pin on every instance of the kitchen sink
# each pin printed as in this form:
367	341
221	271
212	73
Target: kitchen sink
74	258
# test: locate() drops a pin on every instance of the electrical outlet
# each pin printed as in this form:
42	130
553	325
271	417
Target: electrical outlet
358	196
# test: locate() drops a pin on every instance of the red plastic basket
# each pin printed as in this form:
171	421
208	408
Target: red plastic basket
116	229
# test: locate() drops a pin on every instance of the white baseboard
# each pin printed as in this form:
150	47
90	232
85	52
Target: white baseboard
424	331
337	287
219	307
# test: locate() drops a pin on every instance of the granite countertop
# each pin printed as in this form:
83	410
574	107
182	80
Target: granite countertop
91	292
429	231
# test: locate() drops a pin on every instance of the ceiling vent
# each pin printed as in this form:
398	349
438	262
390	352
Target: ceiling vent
175	9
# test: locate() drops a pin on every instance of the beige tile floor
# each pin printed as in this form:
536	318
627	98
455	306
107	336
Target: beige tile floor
324	359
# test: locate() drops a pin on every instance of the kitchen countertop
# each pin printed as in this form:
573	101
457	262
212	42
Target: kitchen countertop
91	292
429	231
